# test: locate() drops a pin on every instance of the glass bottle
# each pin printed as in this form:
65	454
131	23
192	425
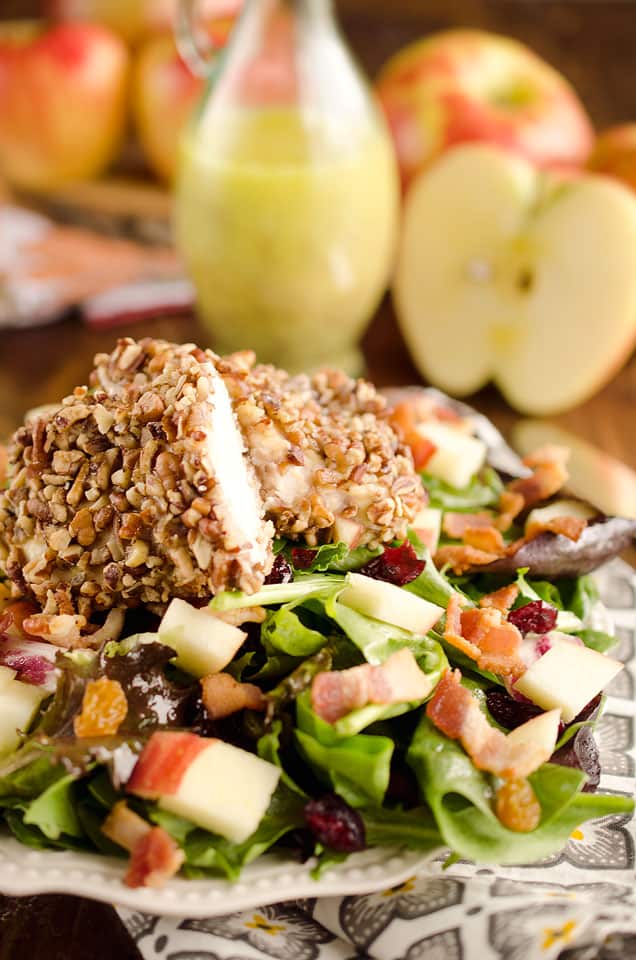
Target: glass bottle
287	197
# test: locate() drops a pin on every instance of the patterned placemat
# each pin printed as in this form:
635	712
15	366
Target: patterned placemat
579	904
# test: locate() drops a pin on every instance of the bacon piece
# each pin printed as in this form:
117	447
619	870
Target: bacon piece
501	599
488	539
222	695
336	693
570	527
461	557
456	524
455	711
153	860
12	619
482	634
124	827
547	479
510	506
453	629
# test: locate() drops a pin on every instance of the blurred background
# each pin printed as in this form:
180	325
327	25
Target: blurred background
113	179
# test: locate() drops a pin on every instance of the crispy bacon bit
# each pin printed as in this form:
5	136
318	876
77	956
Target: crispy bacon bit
483	635
453	629
222	695
62	629
455	711
12	619
501	599
461	557
547	479
154	859
570	527
517	807
104	709
456	524
399	680
510	506
488	539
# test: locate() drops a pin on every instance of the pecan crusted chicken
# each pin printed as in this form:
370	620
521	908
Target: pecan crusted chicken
172	476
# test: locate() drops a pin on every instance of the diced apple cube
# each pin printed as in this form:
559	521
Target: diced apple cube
427	524
568	676
457	457
18	705
204	643
217	786
541	732
386	602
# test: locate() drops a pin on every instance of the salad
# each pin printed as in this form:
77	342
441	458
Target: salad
291	616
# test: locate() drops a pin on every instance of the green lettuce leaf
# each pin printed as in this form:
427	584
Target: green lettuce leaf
358	767
483	490
415	829
303	587
284	631
53	811
460	797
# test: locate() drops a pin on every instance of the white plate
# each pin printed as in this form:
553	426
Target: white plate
24	871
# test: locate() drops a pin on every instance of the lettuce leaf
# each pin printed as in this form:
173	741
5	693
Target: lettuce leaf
414	828
284	631
303	587
207	852
460	797
358	767
483	490
53	811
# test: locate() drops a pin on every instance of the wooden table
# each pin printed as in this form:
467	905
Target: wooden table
593	43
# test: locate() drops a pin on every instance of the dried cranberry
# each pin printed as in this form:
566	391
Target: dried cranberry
534	617
335	824
301	558
398	565
281	571
508	712
582	753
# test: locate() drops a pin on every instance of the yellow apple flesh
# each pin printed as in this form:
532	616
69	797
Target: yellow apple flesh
505	273
63	104
463	86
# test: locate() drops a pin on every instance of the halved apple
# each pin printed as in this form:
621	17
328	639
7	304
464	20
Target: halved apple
509	274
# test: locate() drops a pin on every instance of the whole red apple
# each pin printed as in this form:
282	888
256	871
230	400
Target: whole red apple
466	85
164	91
614	153
62	104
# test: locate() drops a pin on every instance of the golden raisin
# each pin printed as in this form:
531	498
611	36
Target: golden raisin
517	807
104	708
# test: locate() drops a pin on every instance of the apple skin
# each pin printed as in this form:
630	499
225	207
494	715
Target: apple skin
131	19
614	154
463	86
63	97
164	92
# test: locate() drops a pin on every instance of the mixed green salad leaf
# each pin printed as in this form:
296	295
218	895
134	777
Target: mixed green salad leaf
405	780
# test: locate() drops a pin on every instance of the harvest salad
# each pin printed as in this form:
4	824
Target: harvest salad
218	581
